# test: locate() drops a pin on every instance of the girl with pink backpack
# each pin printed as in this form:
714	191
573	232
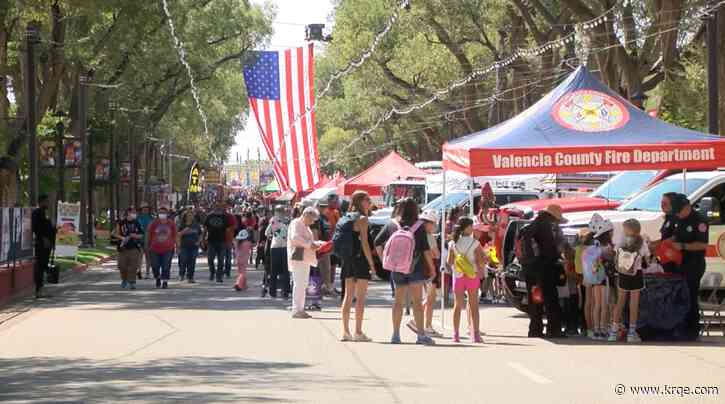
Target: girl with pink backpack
408	257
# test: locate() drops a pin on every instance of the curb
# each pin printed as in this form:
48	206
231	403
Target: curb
23	293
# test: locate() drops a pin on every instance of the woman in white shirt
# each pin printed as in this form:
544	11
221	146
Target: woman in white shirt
301	247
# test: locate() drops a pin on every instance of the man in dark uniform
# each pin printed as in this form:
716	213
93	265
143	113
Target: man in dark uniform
44	233
545	272
691	237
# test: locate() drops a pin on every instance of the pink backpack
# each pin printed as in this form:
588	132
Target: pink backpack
399	250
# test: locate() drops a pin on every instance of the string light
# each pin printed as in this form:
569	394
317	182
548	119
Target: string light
180	49
352	65
556	44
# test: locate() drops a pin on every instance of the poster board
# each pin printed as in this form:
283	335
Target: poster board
68	236
26	240
5	241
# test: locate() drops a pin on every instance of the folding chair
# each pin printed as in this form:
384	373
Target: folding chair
711	308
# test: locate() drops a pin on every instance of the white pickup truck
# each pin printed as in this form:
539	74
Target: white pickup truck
706	191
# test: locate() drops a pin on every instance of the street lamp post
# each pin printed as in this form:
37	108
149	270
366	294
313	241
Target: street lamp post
31	38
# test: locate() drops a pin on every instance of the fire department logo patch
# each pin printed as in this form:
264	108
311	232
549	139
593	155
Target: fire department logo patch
590	111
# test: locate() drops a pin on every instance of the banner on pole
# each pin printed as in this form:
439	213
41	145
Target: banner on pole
68	236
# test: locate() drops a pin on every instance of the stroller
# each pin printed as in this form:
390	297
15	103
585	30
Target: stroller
314	291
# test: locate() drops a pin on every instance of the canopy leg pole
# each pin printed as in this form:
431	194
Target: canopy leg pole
471	210
684	181
444	253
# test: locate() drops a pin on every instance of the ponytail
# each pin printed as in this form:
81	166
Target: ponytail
462	224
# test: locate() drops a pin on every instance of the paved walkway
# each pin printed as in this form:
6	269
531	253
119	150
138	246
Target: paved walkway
206	343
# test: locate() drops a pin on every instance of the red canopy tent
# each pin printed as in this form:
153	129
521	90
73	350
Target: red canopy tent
332	182
389	169
582	126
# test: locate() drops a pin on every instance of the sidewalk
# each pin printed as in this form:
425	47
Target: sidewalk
206	343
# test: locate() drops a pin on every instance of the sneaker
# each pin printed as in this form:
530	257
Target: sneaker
424	340
191	281
132	286
590	334
301	314
158	283
613	334
219	281
361	338
237	288
164	285
412	326
345	337
124	284
431	332
633	337
139	276
395	339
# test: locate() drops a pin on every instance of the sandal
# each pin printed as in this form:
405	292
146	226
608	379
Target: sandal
362	338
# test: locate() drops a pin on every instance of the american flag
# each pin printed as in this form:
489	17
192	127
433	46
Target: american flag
280	86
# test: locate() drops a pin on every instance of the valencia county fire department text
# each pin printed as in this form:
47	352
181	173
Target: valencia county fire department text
607	157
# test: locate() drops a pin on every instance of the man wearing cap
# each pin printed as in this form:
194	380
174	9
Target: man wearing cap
691	237
322	230
545	272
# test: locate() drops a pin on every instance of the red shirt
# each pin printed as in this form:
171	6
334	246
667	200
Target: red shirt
231	230
162	236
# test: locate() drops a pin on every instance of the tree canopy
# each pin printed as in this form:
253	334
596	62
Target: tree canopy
127	49
636	47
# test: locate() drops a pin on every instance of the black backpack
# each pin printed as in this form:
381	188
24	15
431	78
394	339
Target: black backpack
526	247
342	240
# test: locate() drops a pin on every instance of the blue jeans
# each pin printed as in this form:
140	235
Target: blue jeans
279	273
161	264
227	261
187	261
216	252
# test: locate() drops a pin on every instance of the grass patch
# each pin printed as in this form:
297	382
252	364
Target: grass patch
86	255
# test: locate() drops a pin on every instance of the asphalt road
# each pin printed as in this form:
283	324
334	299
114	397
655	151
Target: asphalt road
94	342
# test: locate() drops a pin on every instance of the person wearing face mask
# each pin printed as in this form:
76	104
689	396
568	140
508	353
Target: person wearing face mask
44	232
129	236
162	241
215	234
145	218
277	231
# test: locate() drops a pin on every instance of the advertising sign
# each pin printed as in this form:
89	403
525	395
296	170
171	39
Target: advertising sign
194	184
47	153
68	236
72	152
103	170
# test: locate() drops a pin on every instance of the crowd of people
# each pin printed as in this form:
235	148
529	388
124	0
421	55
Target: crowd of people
582	287
602	272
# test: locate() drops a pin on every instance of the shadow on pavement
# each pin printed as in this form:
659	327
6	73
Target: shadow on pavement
198	379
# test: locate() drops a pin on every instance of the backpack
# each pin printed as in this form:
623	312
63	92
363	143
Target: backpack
627	261
526	248
399	250
343	245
